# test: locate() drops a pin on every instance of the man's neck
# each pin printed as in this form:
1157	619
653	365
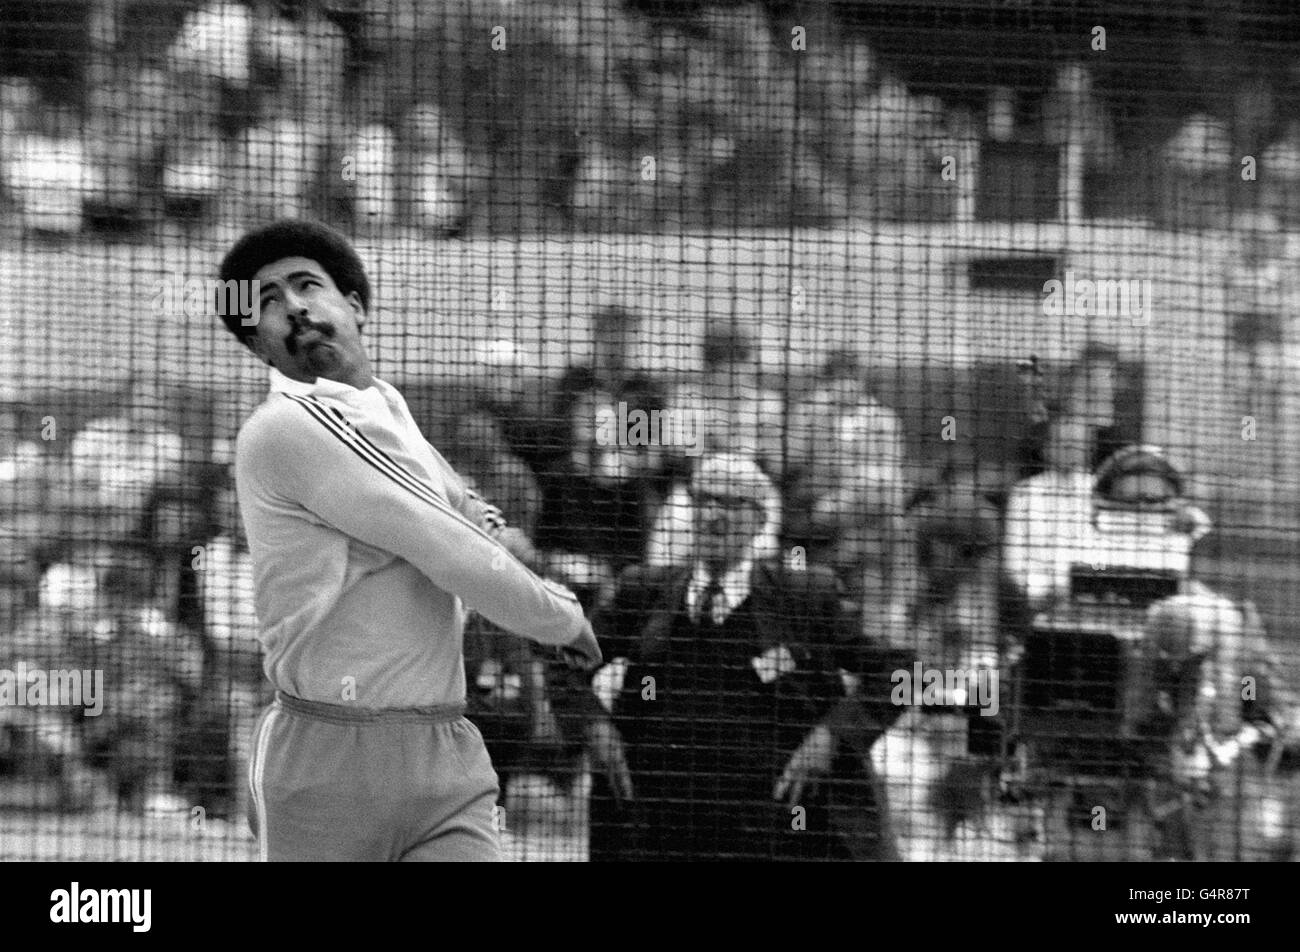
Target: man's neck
360	378
718	570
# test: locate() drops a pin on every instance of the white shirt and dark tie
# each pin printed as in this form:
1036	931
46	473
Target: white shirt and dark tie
710	601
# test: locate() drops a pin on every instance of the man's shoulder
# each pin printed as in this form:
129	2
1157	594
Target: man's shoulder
273	412
813	581
651	577
280	424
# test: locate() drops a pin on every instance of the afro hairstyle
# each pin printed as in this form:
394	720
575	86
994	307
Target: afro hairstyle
293	238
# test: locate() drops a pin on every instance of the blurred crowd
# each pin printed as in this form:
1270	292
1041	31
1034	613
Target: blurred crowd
833	555
125	555
827	552
405	115
764	563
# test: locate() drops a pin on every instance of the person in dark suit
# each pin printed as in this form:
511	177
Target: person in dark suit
720	667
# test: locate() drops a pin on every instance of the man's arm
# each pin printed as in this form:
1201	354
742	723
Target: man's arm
293	455
466	500
620	625
856	719
1017	550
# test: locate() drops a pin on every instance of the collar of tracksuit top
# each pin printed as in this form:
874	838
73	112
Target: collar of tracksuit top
366	547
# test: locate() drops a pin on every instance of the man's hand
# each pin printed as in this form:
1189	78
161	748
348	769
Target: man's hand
608	757
809	763
544	730
583	653
517	544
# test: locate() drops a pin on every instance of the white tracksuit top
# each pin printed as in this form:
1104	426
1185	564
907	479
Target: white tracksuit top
367	548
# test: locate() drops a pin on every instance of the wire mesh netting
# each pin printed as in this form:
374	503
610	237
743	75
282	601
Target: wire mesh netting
906	390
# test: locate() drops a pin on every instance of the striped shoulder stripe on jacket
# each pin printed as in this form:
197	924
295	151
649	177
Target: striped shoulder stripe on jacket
358	443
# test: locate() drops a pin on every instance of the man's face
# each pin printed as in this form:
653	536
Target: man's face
1142	489
307	328
725	527
1094	397
1068	444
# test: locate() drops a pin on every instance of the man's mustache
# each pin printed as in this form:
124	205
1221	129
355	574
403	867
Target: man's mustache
291	342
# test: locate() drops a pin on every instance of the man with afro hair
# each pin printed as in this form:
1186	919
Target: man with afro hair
367	551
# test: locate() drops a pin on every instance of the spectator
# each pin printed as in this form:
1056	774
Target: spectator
596	500
211	65
191	181
1053	522
1088	396
215	43
273	168
152	675
508	697
438	176
306	58
1229	801
374	177
1074	117
616	334
1197	166
934	771
303	108
127	128
47	743
47	172
236	689
598	491
1044	513
1197	647
1262	329
847	487
18	112
718	667
963	617
737	412
95	613
115	463
176	520
509	701
481	455
884	145
729	411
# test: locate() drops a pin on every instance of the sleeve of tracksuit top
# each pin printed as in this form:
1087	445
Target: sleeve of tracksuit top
390	508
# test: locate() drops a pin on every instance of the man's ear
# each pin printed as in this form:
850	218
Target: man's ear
358	309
